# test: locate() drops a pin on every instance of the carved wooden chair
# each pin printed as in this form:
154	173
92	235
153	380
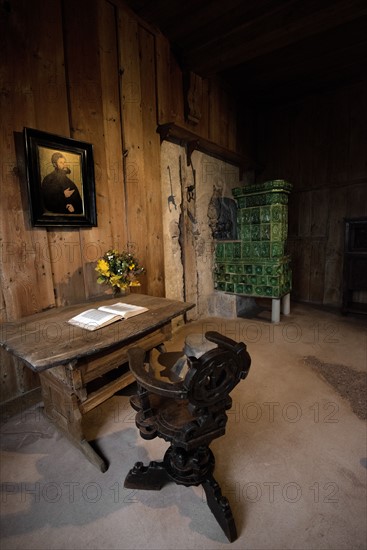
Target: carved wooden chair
189	413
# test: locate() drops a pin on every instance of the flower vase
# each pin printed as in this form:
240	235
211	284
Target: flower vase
118	292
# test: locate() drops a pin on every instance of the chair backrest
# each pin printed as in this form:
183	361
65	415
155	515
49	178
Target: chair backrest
213	376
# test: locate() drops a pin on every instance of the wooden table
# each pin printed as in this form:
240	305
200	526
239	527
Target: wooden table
80	369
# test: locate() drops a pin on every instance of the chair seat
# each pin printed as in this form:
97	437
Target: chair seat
172	420
172	414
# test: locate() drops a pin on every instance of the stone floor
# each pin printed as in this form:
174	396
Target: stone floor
292	462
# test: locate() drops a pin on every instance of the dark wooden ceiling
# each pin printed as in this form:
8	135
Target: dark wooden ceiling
270	50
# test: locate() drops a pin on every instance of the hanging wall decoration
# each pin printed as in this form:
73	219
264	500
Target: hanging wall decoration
60	178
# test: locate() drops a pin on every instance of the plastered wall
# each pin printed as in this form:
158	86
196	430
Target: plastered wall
189	215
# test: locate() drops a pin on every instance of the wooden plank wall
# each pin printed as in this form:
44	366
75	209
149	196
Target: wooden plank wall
90	70
319	144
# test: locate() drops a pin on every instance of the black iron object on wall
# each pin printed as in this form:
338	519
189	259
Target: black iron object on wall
223	219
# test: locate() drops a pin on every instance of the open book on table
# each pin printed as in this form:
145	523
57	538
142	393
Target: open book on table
92	319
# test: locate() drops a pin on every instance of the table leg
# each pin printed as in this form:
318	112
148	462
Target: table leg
61	407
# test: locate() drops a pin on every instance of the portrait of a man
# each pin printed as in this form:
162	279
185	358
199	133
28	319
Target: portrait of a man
60	194
60	180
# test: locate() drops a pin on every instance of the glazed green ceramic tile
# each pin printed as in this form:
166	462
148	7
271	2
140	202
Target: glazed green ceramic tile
265	231
219	251
246	250
276	231
255	250
246	233
228	250
255	232
237	250
277	250
265	250
247	216
265	214
276	213
257	200
261	285
260	291
262	221
275	198
281	186
255	215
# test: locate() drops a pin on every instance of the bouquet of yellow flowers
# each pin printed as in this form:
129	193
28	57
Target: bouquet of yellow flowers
119	269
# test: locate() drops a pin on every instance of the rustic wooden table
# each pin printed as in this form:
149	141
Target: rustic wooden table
80	369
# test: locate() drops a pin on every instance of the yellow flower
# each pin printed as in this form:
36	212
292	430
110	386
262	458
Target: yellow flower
118	269
103	267
115	280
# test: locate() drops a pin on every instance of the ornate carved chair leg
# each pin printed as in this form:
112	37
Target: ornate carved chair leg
220	507
150	478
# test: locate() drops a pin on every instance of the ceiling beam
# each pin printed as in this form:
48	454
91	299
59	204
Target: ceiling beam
287	24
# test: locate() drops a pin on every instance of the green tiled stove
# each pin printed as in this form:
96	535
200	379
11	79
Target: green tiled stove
255	264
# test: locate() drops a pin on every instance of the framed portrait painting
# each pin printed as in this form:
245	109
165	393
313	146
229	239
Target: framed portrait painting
60	178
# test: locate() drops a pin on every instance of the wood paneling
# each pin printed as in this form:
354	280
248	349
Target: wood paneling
150	185
90	70
25	275
133	124
319	144
218	105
